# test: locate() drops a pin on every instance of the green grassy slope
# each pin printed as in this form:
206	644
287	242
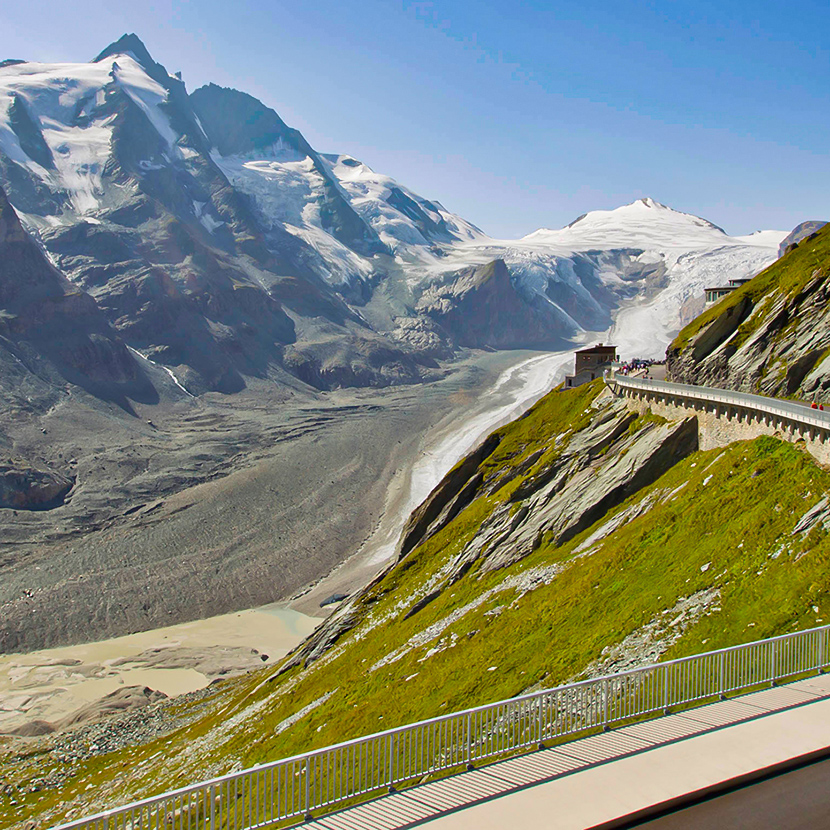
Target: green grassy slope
708	558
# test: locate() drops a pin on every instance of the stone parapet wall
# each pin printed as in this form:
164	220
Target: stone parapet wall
719	425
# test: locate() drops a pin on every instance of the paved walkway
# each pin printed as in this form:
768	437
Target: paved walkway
596	780
798	800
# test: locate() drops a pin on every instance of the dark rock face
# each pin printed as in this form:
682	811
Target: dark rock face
429	227
798	233
29	134
24	488
238	123
43	313
480	308
447	499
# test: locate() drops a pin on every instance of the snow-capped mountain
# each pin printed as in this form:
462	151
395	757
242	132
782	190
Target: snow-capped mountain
572	279
644	265
109	164
221	245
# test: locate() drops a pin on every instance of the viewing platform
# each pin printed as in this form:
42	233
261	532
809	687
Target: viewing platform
654	722
623	776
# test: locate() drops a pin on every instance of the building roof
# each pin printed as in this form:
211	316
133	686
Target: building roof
598	349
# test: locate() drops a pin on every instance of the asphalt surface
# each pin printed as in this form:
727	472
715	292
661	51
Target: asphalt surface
798	800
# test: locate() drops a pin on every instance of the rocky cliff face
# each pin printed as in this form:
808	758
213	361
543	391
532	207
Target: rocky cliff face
43	317
467	299
771	336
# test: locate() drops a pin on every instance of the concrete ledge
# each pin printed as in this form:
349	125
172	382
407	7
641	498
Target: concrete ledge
672	805
620	778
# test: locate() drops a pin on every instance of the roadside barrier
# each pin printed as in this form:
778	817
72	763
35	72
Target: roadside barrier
773	410
314	782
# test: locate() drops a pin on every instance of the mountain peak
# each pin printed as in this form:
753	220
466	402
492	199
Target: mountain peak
635	212
127	43
650	203
131	44
644	223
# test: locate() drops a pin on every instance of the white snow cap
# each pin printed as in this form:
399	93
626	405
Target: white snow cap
644	223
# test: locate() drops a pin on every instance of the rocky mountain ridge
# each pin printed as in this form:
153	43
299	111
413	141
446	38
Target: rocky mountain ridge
770	336
218	241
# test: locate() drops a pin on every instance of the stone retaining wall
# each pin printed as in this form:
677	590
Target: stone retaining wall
719	425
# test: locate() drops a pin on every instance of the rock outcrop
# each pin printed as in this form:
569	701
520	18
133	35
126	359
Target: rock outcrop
479	307
798	233
771	336
594	470
23	487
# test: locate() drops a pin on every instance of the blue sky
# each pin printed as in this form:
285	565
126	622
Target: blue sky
517	115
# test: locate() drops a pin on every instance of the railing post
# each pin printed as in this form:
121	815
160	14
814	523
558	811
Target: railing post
604	694
722	676
308	815
470	742
391	750
666	696
213	807
822	644
772	662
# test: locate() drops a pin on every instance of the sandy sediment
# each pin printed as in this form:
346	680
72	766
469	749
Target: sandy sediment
54	684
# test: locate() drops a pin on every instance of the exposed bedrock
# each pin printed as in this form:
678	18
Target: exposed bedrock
772	336
22	487
578	489
567	485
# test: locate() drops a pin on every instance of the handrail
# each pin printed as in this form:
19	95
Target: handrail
321	778
798	413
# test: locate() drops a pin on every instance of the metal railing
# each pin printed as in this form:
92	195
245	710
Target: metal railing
314	781
794	412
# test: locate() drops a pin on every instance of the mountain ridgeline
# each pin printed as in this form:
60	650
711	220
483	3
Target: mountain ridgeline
218	243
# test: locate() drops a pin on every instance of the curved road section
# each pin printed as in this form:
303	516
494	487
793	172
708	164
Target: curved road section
695	397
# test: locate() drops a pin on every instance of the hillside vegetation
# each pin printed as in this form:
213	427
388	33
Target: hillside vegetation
580	540
771	335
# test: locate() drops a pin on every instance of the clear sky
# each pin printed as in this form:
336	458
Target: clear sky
516	115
